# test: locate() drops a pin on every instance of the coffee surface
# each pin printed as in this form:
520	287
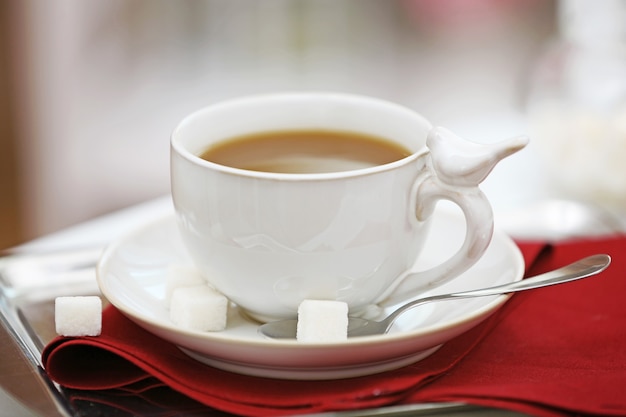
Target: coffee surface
306	151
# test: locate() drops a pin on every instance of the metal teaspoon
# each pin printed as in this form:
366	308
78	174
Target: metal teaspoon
592	265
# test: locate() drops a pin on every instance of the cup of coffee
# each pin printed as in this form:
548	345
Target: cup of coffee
285	197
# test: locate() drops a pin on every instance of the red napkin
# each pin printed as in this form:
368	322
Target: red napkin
552	352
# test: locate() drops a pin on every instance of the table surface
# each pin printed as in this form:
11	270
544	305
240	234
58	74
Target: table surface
23	390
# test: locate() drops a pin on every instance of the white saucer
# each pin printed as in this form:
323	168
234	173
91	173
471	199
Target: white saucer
131	275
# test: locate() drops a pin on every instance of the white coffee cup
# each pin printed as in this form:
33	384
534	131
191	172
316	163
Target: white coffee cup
270	240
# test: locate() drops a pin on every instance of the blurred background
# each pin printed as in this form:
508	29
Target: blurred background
91	89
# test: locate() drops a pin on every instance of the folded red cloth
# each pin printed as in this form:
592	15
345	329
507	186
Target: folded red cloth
556	351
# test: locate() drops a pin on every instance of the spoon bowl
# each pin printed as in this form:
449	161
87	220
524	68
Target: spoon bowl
592	265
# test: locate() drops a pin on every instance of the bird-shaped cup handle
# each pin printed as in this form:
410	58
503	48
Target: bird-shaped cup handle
454	169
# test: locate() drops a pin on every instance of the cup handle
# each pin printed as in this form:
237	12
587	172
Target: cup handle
453	170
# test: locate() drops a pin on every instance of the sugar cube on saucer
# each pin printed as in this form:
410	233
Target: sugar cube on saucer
199	307
322	321
78	315
181	276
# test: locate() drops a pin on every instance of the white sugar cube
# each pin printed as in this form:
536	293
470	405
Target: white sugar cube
199	308
181	276
322	321
78	316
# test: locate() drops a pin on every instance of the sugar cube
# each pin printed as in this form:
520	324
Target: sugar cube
178	276
199	308
78	315
322	321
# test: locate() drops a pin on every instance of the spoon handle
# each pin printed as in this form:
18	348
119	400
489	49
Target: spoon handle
577	270
580	269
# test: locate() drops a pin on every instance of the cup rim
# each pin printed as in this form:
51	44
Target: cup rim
178	148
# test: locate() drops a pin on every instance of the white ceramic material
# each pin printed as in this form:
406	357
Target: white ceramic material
268	240
132	272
